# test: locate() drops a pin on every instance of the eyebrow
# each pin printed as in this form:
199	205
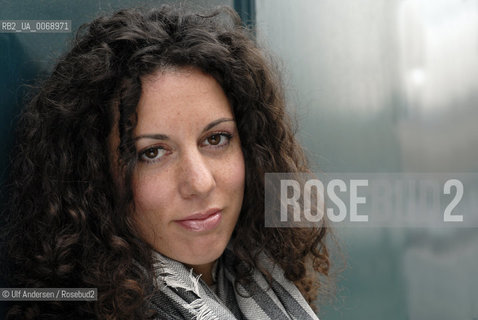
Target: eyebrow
159	136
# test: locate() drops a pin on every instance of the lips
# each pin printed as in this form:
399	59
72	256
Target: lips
203	221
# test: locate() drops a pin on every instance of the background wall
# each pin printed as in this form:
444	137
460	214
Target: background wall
387	86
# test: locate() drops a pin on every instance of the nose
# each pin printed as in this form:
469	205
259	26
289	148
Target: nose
196	178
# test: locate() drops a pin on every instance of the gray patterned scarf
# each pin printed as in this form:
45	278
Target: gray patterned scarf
183	295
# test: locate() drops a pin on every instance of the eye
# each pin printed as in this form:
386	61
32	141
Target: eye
151	154
218	139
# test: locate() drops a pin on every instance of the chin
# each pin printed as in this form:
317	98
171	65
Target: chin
205	254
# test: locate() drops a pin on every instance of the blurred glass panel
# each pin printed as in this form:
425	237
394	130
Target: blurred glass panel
387	86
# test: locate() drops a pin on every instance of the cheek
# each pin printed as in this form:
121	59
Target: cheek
233	174
149	195
150	207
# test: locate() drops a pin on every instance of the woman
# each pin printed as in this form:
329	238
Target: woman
139	170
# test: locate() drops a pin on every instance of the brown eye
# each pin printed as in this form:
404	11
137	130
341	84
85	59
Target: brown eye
214	139
218	140
151	153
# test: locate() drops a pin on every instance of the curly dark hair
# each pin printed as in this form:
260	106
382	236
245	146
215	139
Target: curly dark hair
67	223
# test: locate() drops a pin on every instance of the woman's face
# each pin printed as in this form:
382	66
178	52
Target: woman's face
188	184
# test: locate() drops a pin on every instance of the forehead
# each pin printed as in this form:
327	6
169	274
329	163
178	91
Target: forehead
180	97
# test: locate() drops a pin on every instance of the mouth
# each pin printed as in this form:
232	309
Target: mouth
202	221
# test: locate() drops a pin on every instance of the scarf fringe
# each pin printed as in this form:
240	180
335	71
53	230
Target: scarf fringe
198	307
172	279
201	310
